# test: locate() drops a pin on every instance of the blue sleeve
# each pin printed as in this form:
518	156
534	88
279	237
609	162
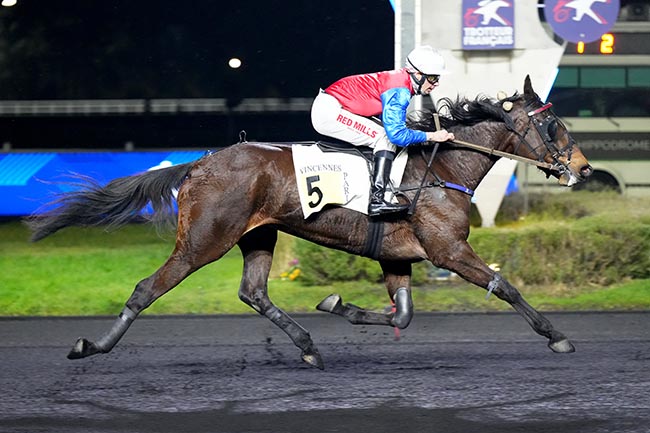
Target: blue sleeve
394	103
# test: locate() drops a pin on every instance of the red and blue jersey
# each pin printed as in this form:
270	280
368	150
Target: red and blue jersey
386	93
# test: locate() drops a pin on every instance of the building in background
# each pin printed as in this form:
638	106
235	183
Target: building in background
602	92
601	89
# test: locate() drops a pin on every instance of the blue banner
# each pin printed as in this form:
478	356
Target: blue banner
30	180
488	24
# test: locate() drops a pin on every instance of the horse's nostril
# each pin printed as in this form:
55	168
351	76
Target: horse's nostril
586	170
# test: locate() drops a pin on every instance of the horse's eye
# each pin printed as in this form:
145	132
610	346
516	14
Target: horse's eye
552	130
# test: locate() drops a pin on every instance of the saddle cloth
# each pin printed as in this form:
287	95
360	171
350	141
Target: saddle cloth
337	178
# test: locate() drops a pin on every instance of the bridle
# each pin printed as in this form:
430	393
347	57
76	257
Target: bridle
547	128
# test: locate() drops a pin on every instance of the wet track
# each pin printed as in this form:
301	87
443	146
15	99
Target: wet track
448	373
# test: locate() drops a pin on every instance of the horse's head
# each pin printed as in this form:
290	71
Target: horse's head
540	135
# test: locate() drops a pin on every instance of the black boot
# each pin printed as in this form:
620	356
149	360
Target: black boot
383	160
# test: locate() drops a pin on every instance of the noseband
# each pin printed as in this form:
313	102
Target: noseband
547	130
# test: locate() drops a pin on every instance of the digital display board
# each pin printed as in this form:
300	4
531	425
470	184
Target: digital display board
613	43
30	180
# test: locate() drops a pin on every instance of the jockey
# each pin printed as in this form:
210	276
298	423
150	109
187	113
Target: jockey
344	110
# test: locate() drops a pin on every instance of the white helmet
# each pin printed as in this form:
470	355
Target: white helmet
425	60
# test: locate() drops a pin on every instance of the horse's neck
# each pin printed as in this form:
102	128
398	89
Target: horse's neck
468	167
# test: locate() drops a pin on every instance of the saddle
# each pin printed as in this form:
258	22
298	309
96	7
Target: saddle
337	174
342	147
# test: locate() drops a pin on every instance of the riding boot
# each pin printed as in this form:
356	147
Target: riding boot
383	161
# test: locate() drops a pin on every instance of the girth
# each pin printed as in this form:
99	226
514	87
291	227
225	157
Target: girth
374	239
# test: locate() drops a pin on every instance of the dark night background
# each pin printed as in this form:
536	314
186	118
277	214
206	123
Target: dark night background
84	49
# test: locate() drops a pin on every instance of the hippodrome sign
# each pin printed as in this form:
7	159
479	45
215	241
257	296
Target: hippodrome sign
581	20
488	24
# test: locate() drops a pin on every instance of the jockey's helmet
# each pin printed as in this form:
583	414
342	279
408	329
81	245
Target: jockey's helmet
426	60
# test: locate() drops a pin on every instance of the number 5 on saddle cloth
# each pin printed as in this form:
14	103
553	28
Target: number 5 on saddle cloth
337	177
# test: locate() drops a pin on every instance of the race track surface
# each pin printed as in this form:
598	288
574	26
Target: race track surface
448	373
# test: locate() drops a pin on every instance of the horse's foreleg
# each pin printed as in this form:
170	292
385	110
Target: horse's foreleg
558	342
397	277
257	248
470	267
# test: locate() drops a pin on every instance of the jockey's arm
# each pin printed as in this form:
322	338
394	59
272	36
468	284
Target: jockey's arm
394	105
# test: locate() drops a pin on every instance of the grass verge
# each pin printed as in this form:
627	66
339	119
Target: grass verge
93	272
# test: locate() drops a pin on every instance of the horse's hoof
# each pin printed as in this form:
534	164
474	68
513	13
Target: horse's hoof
82	349
329	304
313	358
562	346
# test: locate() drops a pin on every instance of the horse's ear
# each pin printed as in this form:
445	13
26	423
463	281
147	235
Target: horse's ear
528	87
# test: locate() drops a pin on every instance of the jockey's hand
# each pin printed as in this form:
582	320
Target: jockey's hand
439	136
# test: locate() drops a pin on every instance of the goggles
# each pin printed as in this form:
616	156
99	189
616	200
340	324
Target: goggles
432	79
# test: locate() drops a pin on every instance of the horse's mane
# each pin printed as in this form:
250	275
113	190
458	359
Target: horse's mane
463	112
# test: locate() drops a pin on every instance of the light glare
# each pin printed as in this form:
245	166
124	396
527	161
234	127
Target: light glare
234	63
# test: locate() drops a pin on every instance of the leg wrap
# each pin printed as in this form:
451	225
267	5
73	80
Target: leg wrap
493	284
122	323
403	308
298	334
353	314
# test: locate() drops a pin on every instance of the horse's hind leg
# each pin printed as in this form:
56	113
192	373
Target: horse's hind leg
397	277
257	248
353	314
186	258
145	293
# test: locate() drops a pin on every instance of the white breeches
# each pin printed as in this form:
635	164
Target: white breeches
329	118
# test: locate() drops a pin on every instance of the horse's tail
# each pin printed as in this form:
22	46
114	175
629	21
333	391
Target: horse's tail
114	204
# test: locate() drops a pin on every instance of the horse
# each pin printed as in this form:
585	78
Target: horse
245	193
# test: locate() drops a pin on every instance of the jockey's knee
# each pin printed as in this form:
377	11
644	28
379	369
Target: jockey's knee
383	144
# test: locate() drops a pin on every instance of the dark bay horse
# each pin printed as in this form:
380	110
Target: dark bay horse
242	195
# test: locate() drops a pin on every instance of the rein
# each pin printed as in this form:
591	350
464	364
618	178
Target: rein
542	130
512	156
